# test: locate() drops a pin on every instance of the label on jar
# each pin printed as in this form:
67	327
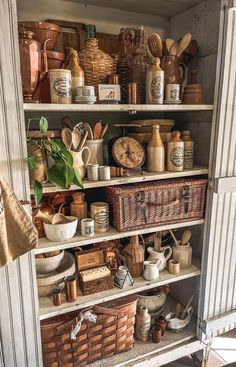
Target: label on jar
177	156
144	330
157	88
188	154
62	87
101	220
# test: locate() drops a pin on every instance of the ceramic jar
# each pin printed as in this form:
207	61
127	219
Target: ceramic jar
77	74
80	160
38	173
163	255
78	207
100	214
183	253
162	323
175	153
142	324
96	148
156	151
188	149
156	334
155	83
60	86
151	270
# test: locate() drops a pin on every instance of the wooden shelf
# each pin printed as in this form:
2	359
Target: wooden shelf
49	107
47	309
45	245
196	171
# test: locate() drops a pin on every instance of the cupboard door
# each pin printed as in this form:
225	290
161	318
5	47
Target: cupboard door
20	343
217	310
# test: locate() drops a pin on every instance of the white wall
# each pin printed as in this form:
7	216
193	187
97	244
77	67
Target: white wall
106	20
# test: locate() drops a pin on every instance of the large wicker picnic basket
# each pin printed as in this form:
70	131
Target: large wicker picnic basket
161	202
112	333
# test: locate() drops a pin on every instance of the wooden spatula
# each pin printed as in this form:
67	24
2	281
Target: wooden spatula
184	44
169	44
155	45
174	49
104	129
97	130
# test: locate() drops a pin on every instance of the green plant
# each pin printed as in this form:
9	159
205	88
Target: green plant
61	171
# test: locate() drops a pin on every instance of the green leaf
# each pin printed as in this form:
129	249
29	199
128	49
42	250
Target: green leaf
43	124
77	179
56	176
67	157
69	175
38	192
32	162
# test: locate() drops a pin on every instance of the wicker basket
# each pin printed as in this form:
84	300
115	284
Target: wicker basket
113	333
153	203
97	65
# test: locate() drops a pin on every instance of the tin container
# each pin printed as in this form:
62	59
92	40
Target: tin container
100	214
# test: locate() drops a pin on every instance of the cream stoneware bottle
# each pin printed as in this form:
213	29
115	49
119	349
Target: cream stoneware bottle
188	149
156	151
175	153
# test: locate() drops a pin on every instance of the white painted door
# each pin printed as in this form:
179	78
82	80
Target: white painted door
217	311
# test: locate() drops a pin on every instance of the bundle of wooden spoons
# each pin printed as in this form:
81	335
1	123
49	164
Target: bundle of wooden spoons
97	132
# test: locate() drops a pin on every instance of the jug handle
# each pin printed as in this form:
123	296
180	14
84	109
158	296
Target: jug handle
184	79
158	263
45	60
169	251
88	155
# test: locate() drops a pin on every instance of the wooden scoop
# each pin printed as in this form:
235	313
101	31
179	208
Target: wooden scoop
174	49
155	45
46	218
66	136
169	44
60	218
186	237
184	44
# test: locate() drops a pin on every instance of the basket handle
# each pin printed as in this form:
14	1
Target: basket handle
105	310
173	202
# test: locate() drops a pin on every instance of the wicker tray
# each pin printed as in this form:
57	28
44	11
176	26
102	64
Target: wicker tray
113	333
148	204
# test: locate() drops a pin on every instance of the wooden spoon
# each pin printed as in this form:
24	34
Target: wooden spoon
169	44
46	218
88	128
67	122
155	45
104	129
174	49
186	237
76	137
157	242
82	141
184	43
174	238
60	218
97	130
66	136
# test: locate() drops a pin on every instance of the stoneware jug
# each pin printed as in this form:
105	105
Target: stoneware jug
163	255
151	269
175	71
80	161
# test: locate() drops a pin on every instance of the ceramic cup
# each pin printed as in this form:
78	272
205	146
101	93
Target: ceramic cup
174	266
172	92
60	86
92	172
85	91
104	173
87	227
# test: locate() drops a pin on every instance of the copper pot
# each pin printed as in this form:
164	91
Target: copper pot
44	31
30	63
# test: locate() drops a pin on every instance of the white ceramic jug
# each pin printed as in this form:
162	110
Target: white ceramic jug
163	255
80	162
151	269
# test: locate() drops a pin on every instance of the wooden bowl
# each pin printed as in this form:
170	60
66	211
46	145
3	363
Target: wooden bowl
55	59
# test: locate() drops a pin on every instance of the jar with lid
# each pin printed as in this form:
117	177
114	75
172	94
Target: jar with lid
156	151
188	149
183	253
78	207
77	74
175	153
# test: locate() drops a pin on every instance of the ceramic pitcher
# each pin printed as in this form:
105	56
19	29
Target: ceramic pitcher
81	160
163	255
151	269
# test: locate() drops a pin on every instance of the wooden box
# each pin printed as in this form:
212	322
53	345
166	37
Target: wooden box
92	259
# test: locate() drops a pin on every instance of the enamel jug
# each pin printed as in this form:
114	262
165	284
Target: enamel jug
163	255
151	270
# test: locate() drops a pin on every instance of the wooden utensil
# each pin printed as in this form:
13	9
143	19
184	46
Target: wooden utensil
169	44
97	130
174	238
157	242
67	122
186	237
82	141
183	313
174	49
104	129
46	218
88	128
155	45
184	43
178	308
76	137
66	135
60	218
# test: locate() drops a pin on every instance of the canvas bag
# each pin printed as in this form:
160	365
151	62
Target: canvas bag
17	232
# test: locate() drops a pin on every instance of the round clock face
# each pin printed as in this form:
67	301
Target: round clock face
128	152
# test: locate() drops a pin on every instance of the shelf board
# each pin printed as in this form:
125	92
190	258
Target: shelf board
145	177
112	234
49	107
47	309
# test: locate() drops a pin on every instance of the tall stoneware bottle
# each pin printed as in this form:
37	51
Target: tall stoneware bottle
155	83
77	74
142	324
175	153
188	149
134	256
156	151
79	207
